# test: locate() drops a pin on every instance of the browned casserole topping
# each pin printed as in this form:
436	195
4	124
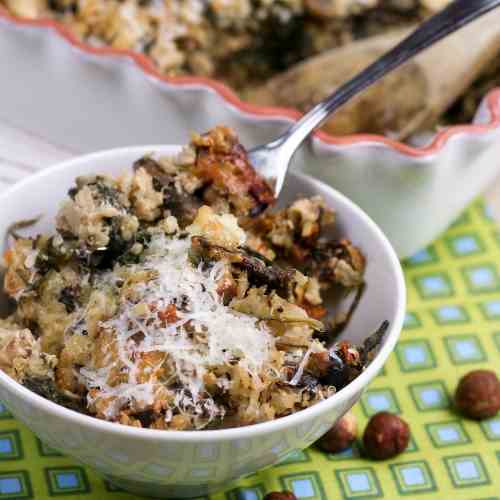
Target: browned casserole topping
235	40
246	42
172	297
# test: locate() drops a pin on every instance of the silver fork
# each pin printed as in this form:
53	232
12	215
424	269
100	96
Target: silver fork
273	159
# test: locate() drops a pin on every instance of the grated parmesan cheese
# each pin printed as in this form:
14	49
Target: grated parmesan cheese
204	335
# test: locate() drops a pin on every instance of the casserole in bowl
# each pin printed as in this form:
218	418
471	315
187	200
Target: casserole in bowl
191	463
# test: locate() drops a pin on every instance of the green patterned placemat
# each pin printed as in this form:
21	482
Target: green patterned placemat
452	326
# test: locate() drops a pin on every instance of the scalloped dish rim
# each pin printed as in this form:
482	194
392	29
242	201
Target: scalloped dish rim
492	99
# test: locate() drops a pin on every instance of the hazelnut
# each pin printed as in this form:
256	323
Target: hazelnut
341	435
280	495
385	436
478	394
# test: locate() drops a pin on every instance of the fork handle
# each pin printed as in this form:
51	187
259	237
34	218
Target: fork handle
450	19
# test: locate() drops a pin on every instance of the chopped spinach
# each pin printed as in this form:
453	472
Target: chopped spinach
69	297
46	388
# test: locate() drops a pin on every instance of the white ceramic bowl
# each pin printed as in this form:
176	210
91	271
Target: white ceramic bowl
183	464
84	99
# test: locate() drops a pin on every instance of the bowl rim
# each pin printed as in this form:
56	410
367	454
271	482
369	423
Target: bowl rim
308	414
491	101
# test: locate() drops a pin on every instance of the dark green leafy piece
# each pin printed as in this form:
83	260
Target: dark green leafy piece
69	297
46	388
22	224
372	342
259	273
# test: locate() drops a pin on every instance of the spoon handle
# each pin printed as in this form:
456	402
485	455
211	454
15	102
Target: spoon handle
452	18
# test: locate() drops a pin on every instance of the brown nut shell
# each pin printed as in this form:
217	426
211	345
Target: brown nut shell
385	436
341	435
478	394
280	495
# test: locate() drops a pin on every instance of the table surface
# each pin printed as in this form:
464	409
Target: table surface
451	327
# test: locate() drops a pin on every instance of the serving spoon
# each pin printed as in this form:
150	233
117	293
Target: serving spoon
272	160
405	103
